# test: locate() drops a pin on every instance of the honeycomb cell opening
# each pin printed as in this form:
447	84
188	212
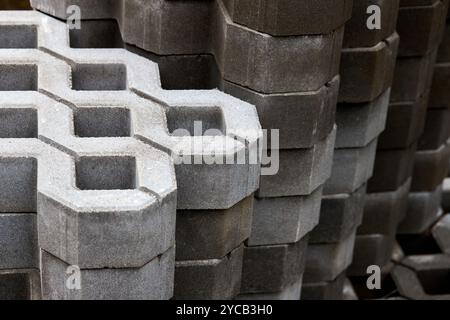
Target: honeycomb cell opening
195	121
106	173
18	123
23	77
18	185
18	37
99	77
102	122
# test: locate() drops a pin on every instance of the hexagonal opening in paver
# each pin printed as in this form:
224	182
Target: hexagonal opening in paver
418	244
99	77
102	122
18	77
18	182
195	121
97	34
435	282
18	37
106	173
18	123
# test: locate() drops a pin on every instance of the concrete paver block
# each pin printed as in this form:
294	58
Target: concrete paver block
392	169
383	211
352	167
359	124
412	77
404	125
324	290
324	262
273	268
153	281
424	209
212	234
285	219
437	129
430	168
287	18
357	35
311	115
421	26
216	279
339	215
372	249
301	171
367	72
244	56
423	277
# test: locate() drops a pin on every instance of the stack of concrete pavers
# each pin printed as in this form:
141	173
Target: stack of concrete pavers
420	26
282	57
367	67
433	150
94	135
423	269
424	272
287	204
440	94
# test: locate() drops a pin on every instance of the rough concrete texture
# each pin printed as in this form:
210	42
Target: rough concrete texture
331	290
423	277
215	279
101	118
285	219
424	209
384	210
273	268
301	171
360	123
20	284
441	233
367	72
244	56
421	26
339	215
352	167
153	281
324	262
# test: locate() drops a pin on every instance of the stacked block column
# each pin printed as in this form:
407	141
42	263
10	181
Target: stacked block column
420	27
367	67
